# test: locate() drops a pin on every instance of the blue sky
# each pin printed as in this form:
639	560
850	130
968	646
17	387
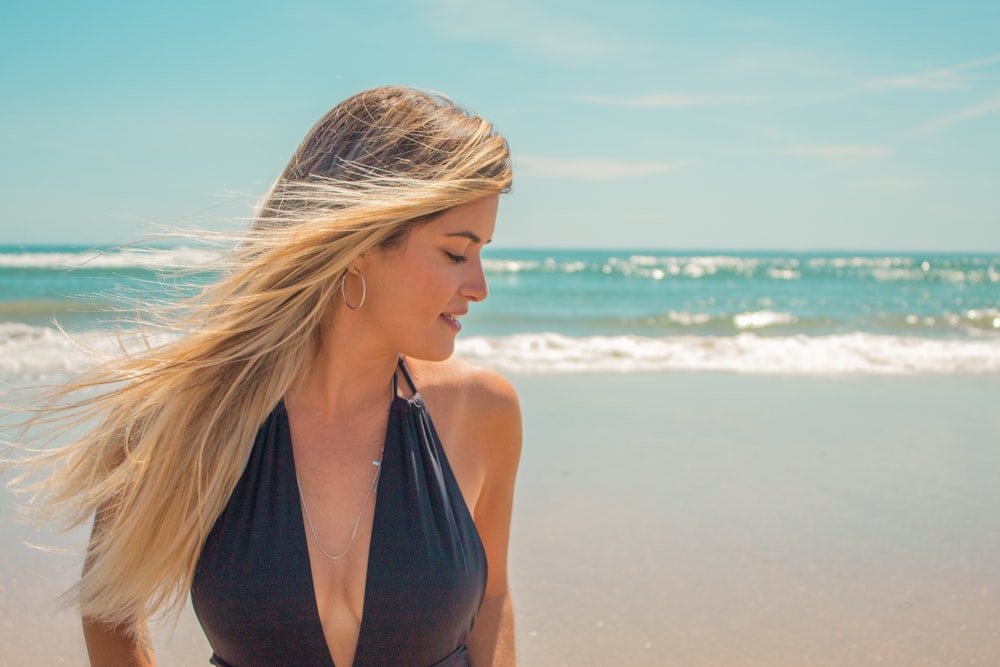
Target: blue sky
766	125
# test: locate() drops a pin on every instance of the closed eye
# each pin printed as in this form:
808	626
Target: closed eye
458	259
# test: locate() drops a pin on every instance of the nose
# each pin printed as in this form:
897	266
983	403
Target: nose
474	287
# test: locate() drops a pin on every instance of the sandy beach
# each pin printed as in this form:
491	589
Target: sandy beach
705	519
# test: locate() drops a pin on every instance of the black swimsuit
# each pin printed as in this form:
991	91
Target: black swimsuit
253	590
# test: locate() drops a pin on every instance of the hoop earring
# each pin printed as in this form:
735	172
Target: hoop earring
364	290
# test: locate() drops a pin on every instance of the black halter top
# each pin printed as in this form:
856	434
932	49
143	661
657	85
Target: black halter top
253	590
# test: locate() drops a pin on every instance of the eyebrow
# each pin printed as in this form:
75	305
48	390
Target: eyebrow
469	235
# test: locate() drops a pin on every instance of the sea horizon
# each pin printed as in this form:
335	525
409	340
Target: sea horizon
182	239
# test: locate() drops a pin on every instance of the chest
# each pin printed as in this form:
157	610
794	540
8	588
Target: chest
259	592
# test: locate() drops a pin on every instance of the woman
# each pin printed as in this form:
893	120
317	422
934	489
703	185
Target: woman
279	459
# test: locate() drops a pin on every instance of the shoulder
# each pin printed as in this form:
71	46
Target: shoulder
471	405
458	382
477	415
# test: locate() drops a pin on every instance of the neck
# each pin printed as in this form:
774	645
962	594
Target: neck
345	378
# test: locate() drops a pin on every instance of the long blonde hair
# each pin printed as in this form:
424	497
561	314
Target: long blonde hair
175	422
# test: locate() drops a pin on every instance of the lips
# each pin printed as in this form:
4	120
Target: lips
452	320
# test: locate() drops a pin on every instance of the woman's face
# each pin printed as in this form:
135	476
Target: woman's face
417	292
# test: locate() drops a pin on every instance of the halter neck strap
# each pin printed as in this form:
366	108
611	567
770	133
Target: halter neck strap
406	375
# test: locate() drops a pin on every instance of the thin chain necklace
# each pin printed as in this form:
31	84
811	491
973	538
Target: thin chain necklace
372	488
357	521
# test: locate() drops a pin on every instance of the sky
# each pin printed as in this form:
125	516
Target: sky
850	125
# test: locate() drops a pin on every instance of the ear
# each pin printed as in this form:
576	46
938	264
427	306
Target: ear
361	262
358	263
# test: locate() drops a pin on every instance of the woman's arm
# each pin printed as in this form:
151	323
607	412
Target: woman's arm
492	639
115	646
498	418
110	646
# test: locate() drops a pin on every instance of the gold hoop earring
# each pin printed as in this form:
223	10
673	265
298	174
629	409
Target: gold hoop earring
364	290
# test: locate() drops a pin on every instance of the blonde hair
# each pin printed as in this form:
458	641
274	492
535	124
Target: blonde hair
176	421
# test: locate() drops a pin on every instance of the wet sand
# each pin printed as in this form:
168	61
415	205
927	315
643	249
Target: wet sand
706	519
719	520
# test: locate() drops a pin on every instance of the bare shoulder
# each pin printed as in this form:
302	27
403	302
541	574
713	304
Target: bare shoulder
458	382
477	414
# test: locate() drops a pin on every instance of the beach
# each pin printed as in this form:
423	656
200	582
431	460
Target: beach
668	518
718	519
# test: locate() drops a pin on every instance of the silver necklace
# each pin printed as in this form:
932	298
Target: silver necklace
357	521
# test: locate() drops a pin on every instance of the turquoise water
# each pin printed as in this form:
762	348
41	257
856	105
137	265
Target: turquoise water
559	310
658	293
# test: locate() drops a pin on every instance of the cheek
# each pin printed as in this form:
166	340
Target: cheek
417	295
415	282
427	285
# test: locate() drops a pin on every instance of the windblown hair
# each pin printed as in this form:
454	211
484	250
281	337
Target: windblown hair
172	425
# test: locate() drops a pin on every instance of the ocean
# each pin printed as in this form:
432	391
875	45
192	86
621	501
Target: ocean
553	311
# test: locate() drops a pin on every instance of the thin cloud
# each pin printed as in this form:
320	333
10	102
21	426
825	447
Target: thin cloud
951	77
931	80
835	151
520	24
669	101
987	108
590	169
941	79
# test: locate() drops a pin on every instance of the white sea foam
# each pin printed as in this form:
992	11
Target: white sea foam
881	269
854	353
860	262
760	319
122	258
28	352
509	265
784	274
31	352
